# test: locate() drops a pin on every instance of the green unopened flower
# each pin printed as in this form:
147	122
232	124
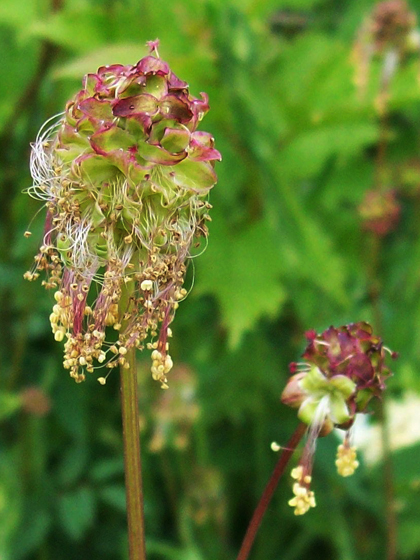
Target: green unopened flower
325	397
125	175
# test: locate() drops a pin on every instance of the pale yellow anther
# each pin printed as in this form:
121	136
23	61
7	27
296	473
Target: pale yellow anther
82	361
27	233
146	285
53	318
122	350
275	446
101	357
304	498
346	461
101	380
297	473
58	296
59	336
168	363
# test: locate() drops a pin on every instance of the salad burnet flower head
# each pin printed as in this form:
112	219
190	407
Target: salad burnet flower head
343	369
125	177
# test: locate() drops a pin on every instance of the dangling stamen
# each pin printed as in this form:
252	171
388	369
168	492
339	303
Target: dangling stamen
346	461
304	498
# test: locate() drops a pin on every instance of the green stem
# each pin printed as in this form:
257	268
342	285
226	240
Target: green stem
269	491
132	460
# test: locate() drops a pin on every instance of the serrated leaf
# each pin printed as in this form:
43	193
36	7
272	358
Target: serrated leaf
242	271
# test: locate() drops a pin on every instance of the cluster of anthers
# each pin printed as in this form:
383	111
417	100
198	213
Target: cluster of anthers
304	498
125	177
343	369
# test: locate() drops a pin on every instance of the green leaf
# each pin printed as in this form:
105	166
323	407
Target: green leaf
106	469
114	495
77	511
121	53
307	154
9	404
78	30
73	463
242	271
18	13
35	531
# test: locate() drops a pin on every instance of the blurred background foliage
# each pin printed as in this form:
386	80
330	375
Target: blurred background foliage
316	221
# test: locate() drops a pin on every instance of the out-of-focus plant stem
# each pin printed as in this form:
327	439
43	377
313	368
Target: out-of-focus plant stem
269	490
132	459
374	294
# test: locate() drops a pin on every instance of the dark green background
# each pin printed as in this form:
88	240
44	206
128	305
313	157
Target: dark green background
287	252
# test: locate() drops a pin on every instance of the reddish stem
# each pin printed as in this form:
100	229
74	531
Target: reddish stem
269	490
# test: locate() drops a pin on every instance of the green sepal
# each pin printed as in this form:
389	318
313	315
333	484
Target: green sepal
307	410
156	154
112	139
197	176
156	86
176	139
344	385
339	412
95	169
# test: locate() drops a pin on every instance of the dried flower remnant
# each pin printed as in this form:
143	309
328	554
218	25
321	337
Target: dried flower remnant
175	412
343	369
388	33
125	177
380	212
205	497
35	401
391	23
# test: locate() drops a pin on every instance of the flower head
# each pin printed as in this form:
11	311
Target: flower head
380	211
389	33
125	175
343	369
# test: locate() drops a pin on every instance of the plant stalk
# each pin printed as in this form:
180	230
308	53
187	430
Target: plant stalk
269	490
132	459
